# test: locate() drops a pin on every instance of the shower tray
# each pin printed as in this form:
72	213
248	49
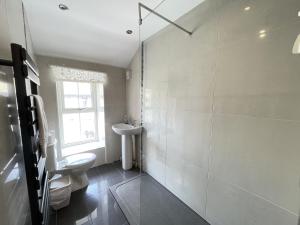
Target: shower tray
146	202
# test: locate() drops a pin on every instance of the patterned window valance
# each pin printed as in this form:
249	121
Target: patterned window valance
66	73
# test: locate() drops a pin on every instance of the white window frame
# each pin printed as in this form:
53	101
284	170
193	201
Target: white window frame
62	110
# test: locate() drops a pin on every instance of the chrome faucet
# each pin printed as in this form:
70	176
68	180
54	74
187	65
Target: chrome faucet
135	123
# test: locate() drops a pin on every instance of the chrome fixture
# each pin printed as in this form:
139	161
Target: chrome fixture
161	16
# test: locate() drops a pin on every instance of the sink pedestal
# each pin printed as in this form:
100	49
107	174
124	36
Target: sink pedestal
127	133
126	152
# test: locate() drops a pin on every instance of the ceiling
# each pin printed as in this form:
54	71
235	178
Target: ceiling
95	30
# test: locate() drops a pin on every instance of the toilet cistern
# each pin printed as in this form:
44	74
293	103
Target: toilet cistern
127	133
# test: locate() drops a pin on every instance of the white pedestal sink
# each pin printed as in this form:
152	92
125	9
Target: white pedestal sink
127	133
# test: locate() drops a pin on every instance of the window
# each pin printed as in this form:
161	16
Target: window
81	112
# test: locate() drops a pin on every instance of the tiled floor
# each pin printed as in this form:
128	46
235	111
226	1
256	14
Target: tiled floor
144	201
152	204
95	205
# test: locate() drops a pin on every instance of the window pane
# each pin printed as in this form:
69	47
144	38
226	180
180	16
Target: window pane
85	95
71	128
87	121
71	102
70	88
85	101
84	88
70	95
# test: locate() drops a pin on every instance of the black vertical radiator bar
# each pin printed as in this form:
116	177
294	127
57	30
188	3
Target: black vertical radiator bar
27	82
4	62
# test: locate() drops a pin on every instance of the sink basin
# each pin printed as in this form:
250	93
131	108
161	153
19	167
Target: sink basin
126	129
127	133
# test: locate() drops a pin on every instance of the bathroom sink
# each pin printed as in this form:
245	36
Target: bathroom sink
126	129
128	133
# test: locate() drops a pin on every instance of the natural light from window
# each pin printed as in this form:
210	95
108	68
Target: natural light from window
81	115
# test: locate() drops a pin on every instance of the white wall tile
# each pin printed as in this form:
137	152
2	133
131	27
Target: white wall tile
196	139
175	173
259	155
156	168
194	185
222	109
230	205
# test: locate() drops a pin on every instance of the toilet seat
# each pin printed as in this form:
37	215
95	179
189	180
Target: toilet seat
78	160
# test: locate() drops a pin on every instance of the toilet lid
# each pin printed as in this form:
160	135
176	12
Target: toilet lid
79	160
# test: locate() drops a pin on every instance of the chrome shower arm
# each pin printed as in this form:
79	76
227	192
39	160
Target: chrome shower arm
161	16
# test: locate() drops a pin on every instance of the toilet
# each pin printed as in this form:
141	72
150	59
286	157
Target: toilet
74	166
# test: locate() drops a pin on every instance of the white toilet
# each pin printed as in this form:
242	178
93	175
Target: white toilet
75	165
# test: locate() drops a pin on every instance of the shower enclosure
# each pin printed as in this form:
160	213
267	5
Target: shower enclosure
219	93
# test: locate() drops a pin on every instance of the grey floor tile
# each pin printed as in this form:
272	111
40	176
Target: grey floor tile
146	202
95	205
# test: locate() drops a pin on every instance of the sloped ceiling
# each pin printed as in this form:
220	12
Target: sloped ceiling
95	30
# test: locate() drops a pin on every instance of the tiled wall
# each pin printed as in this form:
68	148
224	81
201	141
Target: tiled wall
222	111
133	89
114	100
133	97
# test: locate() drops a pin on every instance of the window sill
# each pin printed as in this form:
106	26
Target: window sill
82	148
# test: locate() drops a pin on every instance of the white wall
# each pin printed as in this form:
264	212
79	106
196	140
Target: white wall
12	28
11	25
114	100
4	34
221	112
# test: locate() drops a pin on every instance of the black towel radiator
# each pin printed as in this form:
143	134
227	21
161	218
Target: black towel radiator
27	83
